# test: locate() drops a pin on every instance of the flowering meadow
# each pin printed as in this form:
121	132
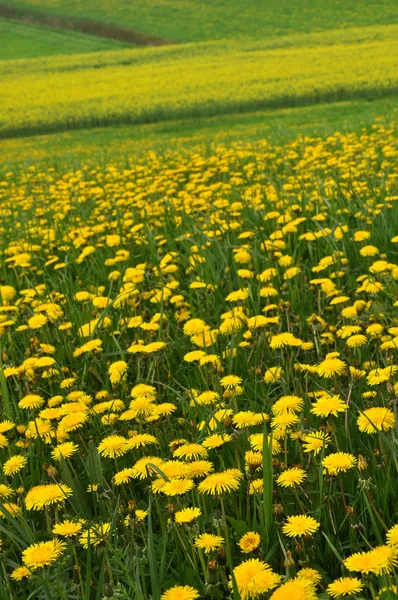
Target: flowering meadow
199	374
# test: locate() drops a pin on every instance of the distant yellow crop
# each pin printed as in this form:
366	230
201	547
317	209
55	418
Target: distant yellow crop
136	86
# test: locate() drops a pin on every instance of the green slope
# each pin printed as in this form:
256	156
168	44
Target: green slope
194	20
25	40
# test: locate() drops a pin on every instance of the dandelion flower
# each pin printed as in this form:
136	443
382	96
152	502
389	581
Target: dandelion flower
315	441
249	542
14	465
65	450
67	528
328	405
177	487
113	446
284	339
376	419
220	483
190	451
42	554
330	367
392	536
42	496
230	381
180	592
345	586
20	573
95	535
379	561
117	371
339	462
298	588
254	578
291	477
187	515
209	542
31	401
300	525
287	404
273	374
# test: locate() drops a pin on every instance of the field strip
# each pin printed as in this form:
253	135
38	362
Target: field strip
160	84
89	26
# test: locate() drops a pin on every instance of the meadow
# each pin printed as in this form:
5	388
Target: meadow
19	40
198	300
199	373
201	20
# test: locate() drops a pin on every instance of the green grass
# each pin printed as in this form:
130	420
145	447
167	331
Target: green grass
195	80
23	40
69	148
216	19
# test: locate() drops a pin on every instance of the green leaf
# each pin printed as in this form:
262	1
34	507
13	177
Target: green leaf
240	526
388	595
267	482
94	465
78	500
152	554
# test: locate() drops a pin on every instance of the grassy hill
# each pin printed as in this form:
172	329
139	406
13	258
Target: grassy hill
23	40
197	20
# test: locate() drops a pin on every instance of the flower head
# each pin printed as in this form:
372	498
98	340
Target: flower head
249	541
42	554
254	578
209	542
345	586
300	525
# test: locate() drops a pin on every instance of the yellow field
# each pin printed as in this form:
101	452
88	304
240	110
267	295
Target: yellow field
136	86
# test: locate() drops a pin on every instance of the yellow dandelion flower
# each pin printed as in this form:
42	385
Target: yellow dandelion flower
42	496
254	578
330	367
345	586
180	592
300	525
220	483
43	554
209	542
67	528
291	477
187	515
113	446
376	419
249	542
14	465
299	588
339	462
95	535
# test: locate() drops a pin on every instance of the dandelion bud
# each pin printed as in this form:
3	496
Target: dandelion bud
289	561
362	463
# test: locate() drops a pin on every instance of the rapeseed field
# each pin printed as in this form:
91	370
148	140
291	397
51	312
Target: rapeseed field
195	80
199	373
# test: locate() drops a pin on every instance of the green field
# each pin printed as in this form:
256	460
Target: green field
196	20
22	40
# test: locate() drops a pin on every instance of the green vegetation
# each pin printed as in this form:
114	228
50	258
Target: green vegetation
67	149
158	84
25	40
196	20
